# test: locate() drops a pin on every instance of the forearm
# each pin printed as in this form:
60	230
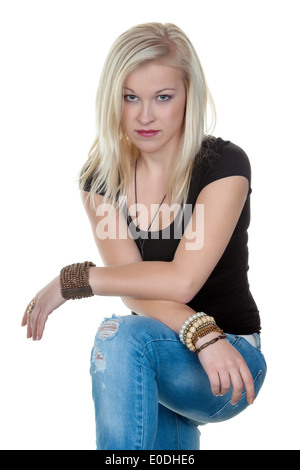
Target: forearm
172	314
146	280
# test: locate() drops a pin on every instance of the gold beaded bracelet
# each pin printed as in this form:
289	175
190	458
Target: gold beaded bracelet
194	321
197	326
205	331
74	281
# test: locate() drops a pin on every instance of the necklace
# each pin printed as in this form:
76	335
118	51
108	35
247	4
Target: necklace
142	241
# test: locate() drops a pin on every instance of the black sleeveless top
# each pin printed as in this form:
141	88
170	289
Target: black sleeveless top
226	294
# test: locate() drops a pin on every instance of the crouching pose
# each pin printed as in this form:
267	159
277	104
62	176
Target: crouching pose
169	206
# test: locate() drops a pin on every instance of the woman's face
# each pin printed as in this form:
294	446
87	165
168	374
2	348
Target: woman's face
154	109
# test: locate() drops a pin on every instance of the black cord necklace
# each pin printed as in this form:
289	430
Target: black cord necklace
142	241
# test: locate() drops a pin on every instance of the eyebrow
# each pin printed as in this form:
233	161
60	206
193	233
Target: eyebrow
159	91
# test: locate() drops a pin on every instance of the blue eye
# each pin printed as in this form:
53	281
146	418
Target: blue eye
130	98
163	98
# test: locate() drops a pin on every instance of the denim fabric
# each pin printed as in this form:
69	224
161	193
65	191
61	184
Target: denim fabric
151	392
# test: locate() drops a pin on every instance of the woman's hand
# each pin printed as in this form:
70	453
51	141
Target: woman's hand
225	366
43	304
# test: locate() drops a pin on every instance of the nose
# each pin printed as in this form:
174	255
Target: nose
146	115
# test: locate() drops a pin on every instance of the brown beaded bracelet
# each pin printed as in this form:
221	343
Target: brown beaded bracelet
74	281
209	343
205	330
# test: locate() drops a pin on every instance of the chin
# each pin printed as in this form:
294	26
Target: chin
147	147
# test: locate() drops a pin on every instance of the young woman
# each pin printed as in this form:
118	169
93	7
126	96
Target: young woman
169	207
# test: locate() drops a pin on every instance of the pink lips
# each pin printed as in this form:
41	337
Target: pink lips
147	133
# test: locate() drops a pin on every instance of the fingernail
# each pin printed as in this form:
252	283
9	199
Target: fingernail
234	403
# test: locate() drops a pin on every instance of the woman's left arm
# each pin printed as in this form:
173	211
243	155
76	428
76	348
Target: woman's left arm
176	281
221	203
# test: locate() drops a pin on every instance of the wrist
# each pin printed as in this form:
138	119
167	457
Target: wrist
93	279
197	327
206	338
74	281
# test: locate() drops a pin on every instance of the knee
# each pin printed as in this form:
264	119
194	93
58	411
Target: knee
121	332
131	330
109	328
118	338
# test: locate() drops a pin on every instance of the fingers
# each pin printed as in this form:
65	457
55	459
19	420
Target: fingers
239	378
248	383
237	386
35	320
45	302
28	311
26	320
224	383
215	383
34	316
242	378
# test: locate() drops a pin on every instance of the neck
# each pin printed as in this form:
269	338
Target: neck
156	166
160	164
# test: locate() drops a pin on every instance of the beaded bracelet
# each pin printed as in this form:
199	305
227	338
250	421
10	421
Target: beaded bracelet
188	323
197	326
195	323
209	343
74	281
192	336
201	332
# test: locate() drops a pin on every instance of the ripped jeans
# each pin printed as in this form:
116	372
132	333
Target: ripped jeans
150	392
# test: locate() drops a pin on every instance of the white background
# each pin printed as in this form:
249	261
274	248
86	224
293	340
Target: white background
51	57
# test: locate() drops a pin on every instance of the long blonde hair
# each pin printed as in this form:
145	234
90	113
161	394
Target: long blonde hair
109	164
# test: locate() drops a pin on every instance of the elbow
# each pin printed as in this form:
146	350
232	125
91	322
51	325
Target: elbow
185	287
186	291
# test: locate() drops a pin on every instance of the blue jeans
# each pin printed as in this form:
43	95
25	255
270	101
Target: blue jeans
150	392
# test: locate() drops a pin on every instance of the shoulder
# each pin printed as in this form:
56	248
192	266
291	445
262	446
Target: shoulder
223	158
232	158
219	159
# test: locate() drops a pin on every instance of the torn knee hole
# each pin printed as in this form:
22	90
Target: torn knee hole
108	329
